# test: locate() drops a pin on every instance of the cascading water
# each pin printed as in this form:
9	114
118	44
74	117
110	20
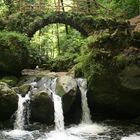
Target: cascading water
83	131
23	111
82	83
20	116
59	118
58	111
28	111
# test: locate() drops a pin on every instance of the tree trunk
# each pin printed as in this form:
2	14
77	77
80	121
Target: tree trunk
58	41
63	8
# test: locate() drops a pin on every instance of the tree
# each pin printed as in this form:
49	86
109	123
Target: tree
66	26
10	5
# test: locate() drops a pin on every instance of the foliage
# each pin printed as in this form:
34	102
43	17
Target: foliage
121	8
57	45
13	40
91	63
3	9
96	40
124	59
13	52
46	42
10	80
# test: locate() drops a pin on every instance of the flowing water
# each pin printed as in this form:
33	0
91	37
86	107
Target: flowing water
86	118
84	131
59	118
20	115
58	111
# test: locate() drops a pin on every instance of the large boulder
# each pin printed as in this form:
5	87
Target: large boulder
66	87
8	101
13	52
112	68
42	108
10	80
114	83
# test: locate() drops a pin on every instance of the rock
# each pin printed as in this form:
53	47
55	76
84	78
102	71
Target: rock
42	106
8	124
13	52
136	120
135	22
66	87
114	91
28	79
23	89
129	77
113	83
8	101
42	109
10	80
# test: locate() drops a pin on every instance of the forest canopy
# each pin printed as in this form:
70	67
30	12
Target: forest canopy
57	44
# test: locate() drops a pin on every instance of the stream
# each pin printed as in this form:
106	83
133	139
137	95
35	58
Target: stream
86	130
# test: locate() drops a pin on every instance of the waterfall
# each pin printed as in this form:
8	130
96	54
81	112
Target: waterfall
28	111
59	118
58	110
20	115
82	83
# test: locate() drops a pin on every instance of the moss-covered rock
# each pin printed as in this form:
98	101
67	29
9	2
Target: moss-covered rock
129	77
112	68
114	82
8	101
10	80
23	89
13	52
42	109
66	87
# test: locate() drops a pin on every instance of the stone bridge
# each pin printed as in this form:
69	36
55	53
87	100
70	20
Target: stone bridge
30	22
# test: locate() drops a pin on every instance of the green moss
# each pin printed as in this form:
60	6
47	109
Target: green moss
60	89
97	40
13	52
8	101
92	63
10	80
23	89
42	94
120	60
42	108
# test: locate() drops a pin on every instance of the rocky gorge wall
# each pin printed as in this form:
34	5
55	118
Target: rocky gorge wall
112	68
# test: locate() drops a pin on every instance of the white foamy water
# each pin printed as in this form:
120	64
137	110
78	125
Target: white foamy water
18	134
86	131
61	136
20	116
83	131
77	132
59	118
82	83
132	137
58	110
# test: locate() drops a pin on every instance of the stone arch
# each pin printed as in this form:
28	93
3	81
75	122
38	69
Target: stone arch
53	18
30	22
